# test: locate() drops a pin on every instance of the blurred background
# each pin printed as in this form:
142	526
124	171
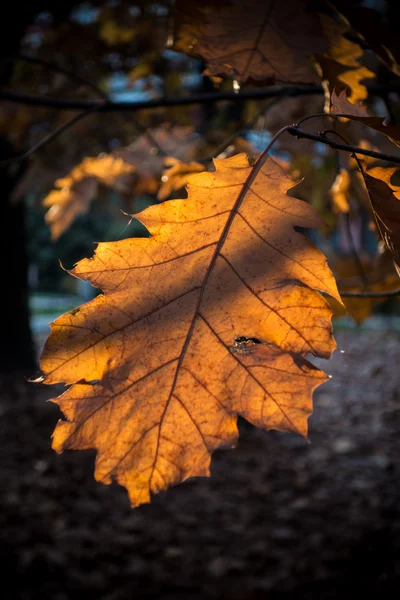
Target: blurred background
280	517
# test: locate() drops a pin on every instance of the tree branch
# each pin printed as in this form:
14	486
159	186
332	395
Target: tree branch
249	94
252	94
370	294
300	133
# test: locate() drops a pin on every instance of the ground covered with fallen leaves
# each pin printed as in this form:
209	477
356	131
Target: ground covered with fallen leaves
280	518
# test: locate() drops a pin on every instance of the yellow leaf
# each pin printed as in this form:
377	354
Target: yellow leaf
339	66
166	359
339	192
76	191
67	203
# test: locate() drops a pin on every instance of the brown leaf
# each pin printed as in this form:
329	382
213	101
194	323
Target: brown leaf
385	203
179	143
76	191
164	361
258	41
339	67
380	33
358	113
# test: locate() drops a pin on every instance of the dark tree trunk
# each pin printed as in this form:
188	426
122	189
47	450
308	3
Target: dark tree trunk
16	346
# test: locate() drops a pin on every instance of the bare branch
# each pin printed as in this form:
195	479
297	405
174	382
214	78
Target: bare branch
370	294
251	94
248	94
300	133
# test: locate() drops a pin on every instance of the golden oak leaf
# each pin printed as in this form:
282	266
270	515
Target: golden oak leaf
134	169
176	176
339	66
358	113
76	191
339	192
258	41
166	359
67	203
339	77
380	33
105	168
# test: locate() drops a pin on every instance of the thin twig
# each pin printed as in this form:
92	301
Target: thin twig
313	116
64	71
79	79
376	219
83	81
364	294
48	138
300	133
347	219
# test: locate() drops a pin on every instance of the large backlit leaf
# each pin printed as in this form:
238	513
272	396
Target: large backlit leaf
166	359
